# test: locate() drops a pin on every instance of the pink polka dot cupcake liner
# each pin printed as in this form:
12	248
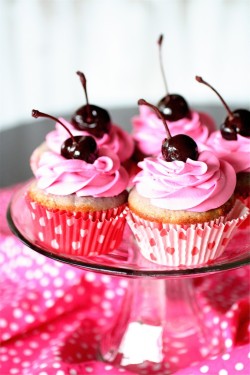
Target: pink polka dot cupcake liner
76	233
182	245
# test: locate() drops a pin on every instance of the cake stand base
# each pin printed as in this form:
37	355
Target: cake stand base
160	328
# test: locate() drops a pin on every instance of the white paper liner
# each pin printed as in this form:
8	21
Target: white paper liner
177	245
78	234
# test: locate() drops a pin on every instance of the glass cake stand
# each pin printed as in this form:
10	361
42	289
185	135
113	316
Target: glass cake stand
160	325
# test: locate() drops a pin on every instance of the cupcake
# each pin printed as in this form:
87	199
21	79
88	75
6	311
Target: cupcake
148	130
232	143
182	207
89	120
78	201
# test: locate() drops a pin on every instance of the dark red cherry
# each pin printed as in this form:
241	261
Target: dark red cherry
91	118
173	106
79	147
237	122
179	147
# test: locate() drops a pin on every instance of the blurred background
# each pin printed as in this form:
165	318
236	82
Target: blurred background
114	42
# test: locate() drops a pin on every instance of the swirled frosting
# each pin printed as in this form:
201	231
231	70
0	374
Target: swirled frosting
118	140
193	186
237	152
149	131
60	176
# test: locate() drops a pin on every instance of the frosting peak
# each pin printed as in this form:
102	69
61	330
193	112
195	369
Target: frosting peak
193	186
118	140
149	131
60	176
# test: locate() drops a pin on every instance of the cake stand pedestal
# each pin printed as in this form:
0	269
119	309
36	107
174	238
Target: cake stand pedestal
160	326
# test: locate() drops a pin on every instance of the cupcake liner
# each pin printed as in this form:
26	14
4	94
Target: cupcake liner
183	245
76	233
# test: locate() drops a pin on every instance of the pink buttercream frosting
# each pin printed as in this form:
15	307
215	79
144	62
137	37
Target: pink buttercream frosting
60	176
193	186
118	140
149	131
237	152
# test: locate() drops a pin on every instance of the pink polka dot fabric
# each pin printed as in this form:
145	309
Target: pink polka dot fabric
53	315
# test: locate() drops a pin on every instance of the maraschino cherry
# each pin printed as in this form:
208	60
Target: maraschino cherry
237	122
173	106
95	120
79	147
179	147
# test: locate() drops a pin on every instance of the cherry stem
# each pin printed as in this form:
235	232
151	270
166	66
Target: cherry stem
156	110
35	113
84	85
161	64
200	80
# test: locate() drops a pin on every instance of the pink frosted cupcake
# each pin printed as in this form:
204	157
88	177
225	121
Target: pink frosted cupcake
89	120
182	207
232	143
148	130
78	201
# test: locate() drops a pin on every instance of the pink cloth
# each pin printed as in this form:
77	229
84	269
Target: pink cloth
53	315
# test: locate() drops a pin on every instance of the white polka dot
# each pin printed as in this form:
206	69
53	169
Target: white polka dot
27	352
89	369
26	364
224	325
225	356
108	367
204	369
76	245
47	294
17	313
101	238
29	318
55	244
45	336
41	236
90	276
174	359
59	293
56	365
42	221
6	336
49	303
60	372
58	282
223	372
73	372
228	343
4	358
110	294
44	281
14	371
106	279
43	373
239	366
216	320
3	323
58	229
